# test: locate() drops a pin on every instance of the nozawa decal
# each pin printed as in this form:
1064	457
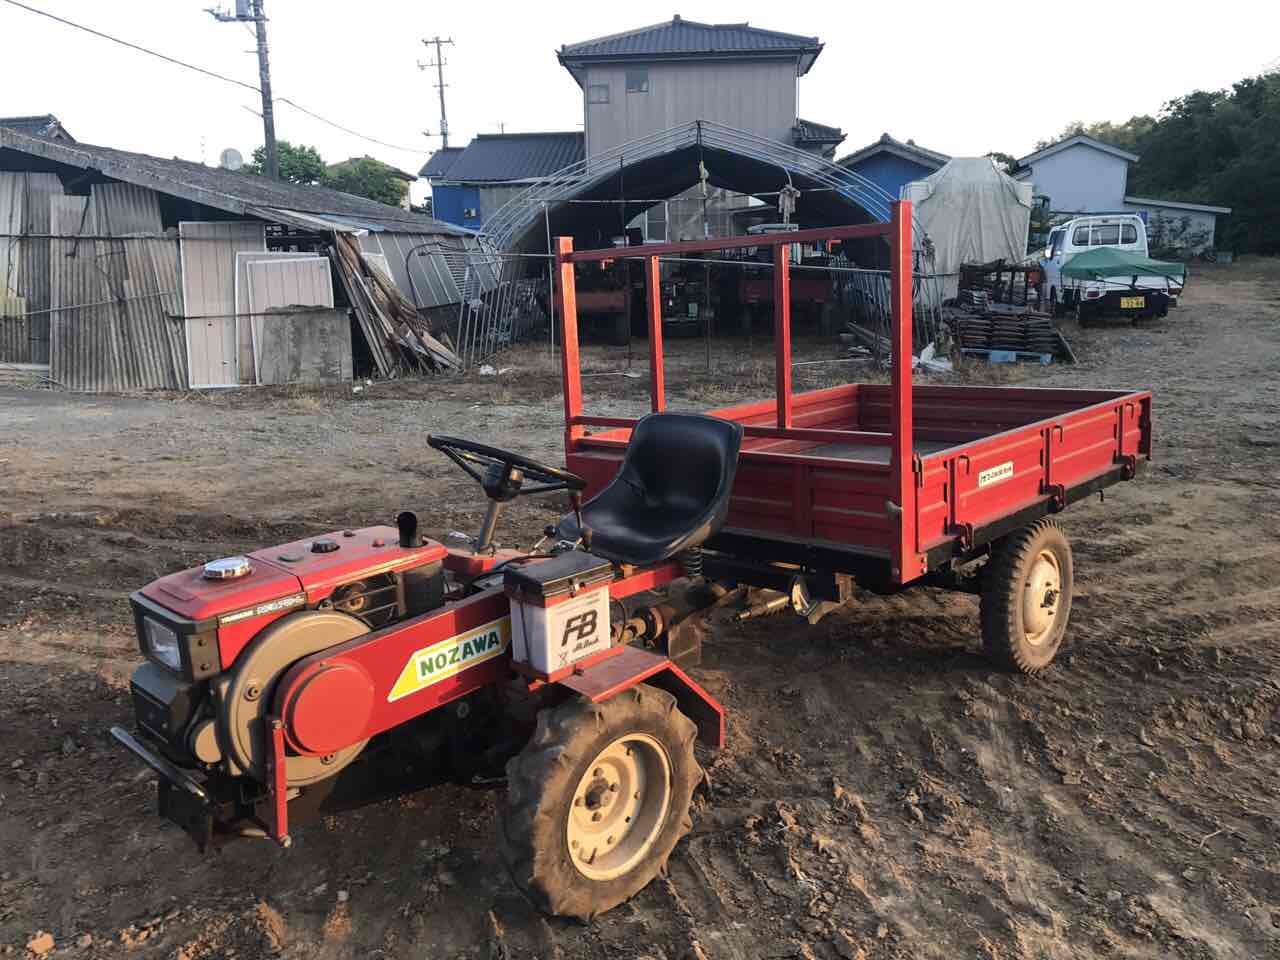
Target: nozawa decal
448	657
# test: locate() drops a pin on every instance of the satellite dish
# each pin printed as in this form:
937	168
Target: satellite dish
231	159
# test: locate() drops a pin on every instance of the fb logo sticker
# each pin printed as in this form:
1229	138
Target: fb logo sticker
579	627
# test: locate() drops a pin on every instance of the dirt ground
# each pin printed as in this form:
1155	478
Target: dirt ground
884	794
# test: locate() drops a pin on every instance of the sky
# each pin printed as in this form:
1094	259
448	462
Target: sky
960	78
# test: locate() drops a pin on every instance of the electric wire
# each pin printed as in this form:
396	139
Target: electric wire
209	73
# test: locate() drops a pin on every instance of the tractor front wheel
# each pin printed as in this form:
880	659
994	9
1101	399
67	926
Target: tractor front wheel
1026	597
598	799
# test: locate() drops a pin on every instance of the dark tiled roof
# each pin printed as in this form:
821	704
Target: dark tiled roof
909	151
679	38
42	126
515	156
239	193
438	163
807	131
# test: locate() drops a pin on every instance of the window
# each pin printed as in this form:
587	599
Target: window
1080	238
1128	233
1055	242
1106	234
638	80
598	93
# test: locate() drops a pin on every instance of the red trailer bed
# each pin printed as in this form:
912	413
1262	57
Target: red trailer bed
891	482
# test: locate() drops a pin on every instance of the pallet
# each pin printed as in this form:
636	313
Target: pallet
1009	356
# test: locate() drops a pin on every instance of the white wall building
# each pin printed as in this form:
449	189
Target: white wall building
1079	175
1084	175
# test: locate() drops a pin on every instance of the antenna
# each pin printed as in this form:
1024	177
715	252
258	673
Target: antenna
230	159
438	43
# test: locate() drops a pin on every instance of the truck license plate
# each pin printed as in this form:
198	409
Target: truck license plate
1132	303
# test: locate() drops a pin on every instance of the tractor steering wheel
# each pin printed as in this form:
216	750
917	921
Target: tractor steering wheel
468	455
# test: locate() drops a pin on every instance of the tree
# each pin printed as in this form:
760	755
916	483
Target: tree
366	177
1003	160
300	164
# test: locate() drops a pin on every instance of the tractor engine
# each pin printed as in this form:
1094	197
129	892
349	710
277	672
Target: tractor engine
218	640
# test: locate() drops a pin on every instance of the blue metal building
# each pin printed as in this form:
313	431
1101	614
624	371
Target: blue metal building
469	183
891	164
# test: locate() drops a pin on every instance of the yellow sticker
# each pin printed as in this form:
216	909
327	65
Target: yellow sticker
448	657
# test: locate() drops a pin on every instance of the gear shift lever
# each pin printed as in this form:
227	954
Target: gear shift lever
584	532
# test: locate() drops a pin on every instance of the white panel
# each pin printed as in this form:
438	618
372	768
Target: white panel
209	295
244	330
274	284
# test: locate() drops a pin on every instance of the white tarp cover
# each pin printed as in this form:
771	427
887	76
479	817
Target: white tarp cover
972	213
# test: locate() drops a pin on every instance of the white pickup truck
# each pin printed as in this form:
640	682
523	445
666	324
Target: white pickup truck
1138	291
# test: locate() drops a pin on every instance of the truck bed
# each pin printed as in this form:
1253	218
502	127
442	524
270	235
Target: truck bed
982	456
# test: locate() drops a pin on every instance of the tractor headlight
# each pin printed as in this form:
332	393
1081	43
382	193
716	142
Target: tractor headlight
162	643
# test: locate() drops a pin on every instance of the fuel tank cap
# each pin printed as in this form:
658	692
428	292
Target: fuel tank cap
324	545
228	568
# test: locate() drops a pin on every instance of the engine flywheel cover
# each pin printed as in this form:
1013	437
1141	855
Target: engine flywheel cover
325	706
252	690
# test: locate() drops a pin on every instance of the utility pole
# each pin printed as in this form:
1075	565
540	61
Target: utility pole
440	84
252	11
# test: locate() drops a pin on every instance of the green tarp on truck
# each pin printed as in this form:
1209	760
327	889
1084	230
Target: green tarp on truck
1106	263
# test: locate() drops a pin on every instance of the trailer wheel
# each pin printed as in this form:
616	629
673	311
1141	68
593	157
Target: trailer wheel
1026	598
598	799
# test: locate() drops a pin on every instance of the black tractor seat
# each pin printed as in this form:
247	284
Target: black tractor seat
671	492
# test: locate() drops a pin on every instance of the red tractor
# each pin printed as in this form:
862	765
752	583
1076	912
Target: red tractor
274	677
270	677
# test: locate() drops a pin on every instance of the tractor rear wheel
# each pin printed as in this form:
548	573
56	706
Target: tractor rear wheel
1026	597
598	799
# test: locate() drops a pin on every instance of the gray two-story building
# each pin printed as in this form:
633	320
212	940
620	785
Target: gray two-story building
634	86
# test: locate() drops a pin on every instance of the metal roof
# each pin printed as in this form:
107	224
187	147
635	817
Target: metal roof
234	192
808	131
908	151
438	163
686	39
1080	139
46	125
494	157
1176	205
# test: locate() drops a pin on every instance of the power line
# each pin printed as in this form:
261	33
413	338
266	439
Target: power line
131	46
208	73
338	126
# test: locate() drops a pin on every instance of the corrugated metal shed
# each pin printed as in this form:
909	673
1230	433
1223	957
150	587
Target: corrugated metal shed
516	156
38	189
686	38
75	288
111	327
15	346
